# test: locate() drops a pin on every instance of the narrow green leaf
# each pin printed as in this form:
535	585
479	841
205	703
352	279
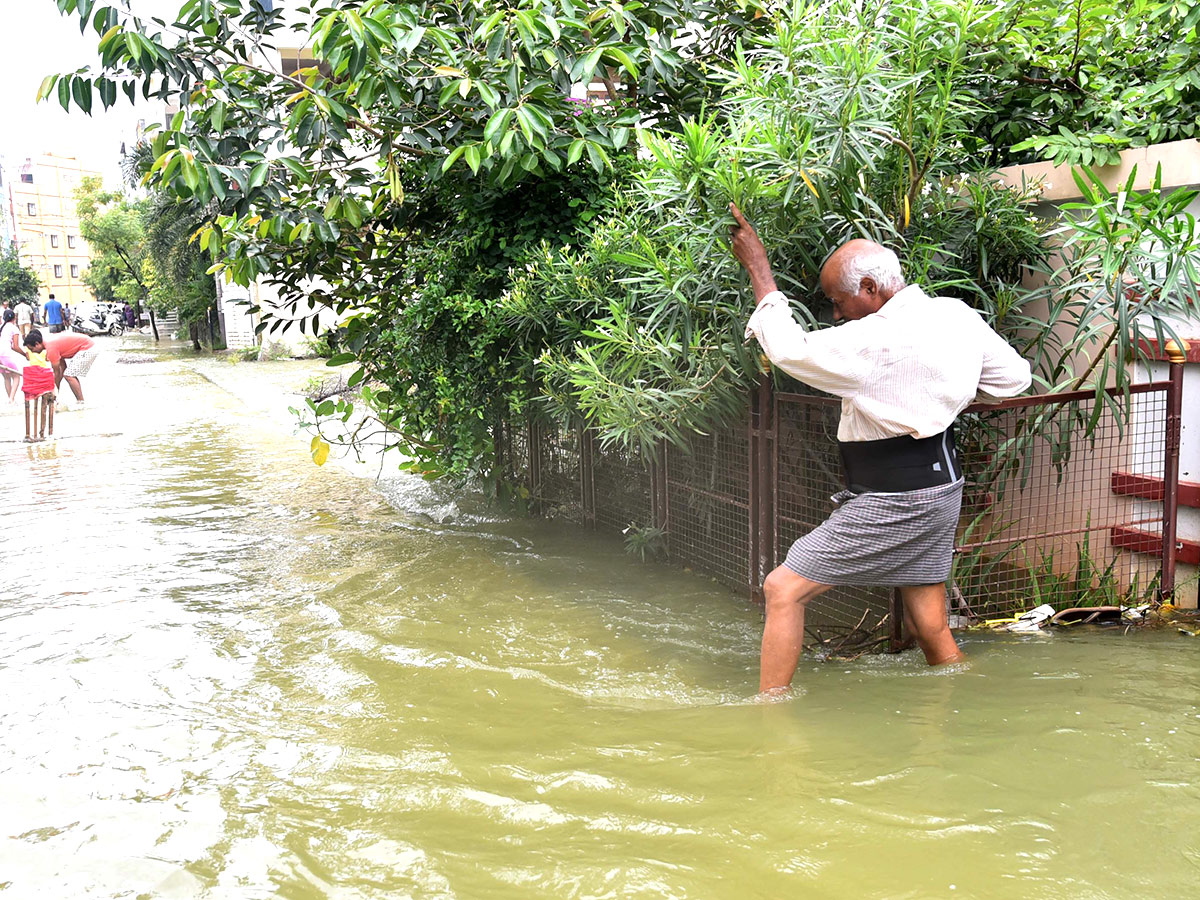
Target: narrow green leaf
46	87
258	175
471	155
453	157
575	151
297	168
526	121
216	182
81	90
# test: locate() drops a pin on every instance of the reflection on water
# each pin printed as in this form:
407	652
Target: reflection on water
227	673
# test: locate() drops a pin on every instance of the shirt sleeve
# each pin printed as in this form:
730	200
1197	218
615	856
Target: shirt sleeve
835	360
1005	373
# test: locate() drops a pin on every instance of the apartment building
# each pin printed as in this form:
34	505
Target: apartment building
7	232
47	228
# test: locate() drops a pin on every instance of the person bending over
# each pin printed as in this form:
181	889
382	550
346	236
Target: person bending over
70	354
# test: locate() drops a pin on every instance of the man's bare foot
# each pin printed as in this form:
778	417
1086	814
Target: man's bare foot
950	660
774	694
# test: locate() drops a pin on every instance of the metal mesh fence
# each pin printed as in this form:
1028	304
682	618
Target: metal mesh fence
622	488
1059	507
708	504
512	453
559	493
1047	517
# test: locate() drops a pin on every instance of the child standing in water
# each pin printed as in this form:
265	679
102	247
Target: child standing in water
37	384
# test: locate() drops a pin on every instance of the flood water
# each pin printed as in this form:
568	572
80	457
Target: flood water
227	673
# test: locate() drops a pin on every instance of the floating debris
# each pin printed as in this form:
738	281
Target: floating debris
1088	615
853	643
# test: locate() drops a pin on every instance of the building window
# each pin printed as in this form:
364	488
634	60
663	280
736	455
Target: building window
32	208
74	271
54	240
58	271
27	177
71	241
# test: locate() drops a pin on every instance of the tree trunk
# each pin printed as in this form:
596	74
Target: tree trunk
194	334
212	333
153	325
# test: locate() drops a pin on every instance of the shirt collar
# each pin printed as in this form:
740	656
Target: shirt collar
901	300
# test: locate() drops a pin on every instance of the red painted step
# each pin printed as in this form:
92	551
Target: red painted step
1150	488
1139	541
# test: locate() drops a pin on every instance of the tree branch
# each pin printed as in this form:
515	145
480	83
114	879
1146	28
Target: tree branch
1068	81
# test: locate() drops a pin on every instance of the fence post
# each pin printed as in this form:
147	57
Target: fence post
587	476
1176	356
499	452
660	504
762	486
895	622
533	438
752	498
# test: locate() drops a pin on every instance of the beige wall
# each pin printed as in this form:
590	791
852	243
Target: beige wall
1180	161
51	195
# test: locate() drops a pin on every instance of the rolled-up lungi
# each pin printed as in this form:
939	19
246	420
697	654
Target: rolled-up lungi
884	539
36	380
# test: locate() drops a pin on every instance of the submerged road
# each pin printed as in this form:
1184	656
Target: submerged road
227	673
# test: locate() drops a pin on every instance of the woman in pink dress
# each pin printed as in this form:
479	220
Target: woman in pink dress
12	356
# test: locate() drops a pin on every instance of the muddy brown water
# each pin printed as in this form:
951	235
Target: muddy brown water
226	673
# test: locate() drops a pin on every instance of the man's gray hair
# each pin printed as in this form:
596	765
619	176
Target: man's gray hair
879	264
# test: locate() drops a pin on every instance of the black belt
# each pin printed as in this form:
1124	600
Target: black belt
900	463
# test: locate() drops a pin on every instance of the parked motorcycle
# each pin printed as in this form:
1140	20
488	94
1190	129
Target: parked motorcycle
109	322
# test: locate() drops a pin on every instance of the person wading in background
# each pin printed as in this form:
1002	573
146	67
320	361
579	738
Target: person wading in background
71	355
904	365
24	317
54	315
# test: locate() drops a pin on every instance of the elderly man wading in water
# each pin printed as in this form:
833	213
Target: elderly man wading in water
904	365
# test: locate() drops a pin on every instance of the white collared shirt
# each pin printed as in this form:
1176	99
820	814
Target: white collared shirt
910	368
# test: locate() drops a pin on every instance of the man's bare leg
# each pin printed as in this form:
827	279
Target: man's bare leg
76	389
785	595
925	615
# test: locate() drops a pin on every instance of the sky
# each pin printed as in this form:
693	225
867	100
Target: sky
37	42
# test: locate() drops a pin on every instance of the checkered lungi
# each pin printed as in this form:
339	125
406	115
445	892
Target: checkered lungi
882	539
79	364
